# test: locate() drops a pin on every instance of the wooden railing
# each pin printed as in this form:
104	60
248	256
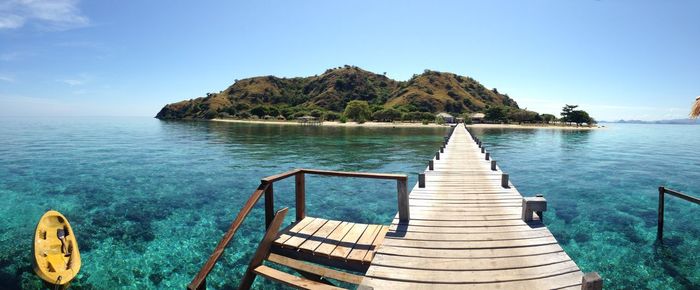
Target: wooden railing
662	204
266	188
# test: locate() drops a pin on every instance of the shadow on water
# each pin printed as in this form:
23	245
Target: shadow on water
667	255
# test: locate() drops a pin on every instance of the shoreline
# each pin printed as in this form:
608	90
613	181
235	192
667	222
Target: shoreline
404	125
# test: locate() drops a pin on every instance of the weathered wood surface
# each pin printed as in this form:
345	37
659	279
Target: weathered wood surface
339	243
466	232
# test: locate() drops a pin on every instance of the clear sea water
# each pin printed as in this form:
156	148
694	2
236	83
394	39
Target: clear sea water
150	199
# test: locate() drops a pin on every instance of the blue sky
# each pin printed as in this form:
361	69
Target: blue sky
616	59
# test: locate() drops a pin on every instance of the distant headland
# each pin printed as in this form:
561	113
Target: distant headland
331	91
351	93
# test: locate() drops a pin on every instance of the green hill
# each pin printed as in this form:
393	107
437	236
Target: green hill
430	91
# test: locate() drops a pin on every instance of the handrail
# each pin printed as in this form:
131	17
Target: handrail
355	174
662	204
266	188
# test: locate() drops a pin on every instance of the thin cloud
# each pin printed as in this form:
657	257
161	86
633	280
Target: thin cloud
74	82
11	21
47	14
8	79
77	81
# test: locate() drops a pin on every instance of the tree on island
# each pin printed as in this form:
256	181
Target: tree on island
387	115
496	114
526	116
570	115
547	118
358	111
566	112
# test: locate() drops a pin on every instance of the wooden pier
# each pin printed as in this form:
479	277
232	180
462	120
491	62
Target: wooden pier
463	226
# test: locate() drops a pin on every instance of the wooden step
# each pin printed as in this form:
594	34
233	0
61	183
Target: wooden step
291	280
316	270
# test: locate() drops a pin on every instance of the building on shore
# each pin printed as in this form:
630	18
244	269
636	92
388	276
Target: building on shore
478	117
446	117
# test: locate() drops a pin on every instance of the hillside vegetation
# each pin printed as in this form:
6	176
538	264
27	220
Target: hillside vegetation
329	93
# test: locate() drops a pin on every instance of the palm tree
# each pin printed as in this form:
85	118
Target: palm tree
695	110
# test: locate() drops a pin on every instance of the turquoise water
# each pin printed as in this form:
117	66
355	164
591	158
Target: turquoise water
602	194
150	199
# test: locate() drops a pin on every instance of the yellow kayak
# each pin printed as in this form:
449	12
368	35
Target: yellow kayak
56	255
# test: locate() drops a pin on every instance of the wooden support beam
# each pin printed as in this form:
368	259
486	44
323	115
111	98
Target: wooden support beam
263	249
421	180
402	189
269	205
504	180
493	165
488	156
300	193
591	281
660	221
437	155
431	165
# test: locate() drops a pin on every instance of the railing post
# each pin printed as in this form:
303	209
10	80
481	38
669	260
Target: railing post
591	281
493	165
421	180
504	180
442	149
402	189
269	205
437	155
431	165
660	222
300	191
488	156
483	150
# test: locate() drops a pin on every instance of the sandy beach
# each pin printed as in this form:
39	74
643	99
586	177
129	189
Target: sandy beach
533	126
406	124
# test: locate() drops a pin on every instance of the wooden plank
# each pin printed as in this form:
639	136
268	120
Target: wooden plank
471	276
456	236
474	253
364	243
473	222
375	244
305	233
470	264
468	245
312	243
291	280
295	228
562	281
311	268
348	242
330	243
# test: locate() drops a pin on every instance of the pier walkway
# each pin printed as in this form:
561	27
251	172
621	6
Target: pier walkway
463	226
466	231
